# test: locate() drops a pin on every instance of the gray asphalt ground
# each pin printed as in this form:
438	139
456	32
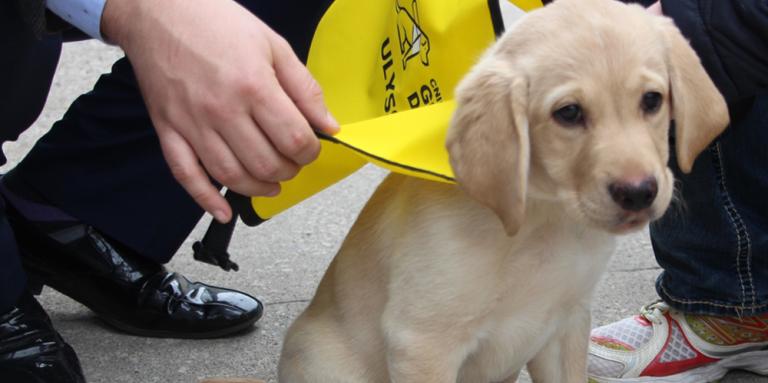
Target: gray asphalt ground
281	262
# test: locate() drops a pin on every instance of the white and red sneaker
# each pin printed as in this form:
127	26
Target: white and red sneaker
665	345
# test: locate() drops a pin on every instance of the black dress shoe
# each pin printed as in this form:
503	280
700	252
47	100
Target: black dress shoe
127	291
31	351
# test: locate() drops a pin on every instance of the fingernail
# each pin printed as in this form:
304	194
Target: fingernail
273	192
332	123
220	216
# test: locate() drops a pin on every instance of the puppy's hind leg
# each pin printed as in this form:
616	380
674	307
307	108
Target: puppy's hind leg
564	358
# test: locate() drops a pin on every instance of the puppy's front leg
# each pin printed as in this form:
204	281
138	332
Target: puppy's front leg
564	358
413	358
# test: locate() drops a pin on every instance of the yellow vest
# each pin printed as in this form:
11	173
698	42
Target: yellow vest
388	69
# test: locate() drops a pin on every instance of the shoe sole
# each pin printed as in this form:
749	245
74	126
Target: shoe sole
126	328
754	361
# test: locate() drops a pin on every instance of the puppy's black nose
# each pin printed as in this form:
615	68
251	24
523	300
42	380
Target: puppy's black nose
634	196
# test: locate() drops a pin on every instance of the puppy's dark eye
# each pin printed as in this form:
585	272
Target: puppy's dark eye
569	115
651	102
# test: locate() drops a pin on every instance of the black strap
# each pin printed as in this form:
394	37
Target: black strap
213	249
496	20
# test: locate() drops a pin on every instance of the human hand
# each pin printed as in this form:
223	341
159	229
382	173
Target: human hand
655	8
226	95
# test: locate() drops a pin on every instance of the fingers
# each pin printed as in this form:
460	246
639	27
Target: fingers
280	119
183	164
254	157
221	164
224	166
289	106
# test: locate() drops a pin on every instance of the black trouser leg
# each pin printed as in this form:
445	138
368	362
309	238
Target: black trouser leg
102	164
26	69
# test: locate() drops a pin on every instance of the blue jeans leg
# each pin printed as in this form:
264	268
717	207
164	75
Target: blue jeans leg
713	244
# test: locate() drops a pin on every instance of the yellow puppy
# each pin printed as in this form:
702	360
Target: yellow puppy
559	142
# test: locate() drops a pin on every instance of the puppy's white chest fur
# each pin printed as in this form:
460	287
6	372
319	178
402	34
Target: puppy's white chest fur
509	297
550	279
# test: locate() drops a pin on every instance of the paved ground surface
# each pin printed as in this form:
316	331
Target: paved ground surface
281	261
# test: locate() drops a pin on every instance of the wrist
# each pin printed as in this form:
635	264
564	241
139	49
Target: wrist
119	18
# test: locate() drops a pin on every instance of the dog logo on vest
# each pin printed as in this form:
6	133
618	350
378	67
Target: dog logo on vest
413	41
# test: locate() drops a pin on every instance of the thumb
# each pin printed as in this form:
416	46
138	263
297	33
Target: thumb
302	88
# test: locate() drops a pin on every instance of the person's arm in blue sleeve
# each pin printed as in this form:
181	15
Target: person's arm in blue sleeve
84	15
731	38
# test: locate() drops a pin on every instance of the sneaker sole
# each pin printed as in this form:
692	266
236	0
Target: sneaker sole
754	361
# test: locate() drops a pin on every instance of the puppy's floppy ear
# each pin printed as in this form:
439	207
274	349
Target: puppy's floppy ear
488	141
698	108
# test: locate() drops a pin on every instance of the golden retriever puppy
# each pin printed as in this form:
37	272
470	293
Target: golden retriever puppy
559	142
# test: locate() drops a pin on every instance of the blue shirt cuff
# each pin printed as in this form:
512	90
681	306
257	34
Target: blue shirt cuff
83	14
